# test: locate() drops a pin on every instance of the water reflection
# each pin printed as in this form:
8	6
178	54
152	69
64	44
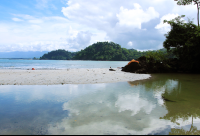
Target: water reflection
186	130
179	94
119	109
164	104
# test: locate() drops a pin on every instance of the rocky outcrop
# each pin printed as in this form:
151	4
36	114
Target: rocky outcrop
151	66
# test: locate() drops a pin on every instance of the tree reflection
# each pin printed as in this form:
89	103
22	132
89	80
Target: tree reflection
193	131
156	81
181	98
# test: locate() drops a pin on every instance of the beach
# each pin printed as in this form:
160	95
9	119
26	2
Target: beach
67	76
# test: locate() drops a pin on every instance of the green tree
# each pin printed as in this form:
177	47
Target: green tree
159	56
184	41
187	2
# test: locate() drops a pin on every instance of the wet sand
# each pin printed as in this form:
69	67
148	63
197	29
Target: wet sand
67	76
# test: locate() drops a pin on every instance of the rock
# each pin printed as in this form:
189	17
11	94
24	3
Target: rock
151	66
111	69
132	67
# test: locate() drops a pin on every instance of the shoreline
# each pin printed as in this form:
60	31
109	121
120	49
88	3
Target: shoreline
67	76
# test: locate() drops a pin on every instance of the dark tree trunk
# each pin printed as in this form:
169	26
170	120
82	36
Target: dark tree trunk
198	13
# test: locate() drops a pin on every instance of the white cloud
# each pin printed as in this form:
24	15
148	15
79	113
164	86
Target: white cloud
92	21
115	19
66	11
16	19
130	43
164	27
24	16
189	10
83	37
106	16
41	4
99	36
36	21
136	16
78	38
44	34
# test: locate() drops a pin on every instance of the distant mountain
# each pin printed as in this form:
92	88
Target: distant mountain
59	54
21	54
96	51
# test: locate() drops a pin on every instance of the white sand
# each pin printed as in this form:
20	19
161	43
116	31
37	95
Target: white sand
69	76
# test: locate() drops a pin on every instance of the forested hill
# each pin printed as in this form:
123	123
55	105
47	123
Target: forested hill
97	51
107	51
58	55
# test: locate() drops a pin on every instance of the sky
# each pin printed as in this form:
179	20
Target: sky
46	25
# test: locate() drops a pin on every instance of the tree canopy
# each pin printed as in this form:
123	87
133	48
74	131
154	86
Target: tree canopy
184	41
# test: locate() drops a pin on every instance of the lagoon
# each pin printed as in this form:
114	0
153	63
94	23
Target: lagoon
164	104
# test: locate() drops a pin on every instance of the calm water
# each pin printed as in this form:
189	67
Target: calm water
164	104
57	64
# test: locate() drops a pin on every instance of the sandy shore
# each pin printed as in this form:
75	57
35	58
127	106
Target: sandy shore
68	76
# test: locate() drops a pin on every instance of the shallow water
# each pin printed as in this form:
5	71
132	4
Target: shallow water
164	104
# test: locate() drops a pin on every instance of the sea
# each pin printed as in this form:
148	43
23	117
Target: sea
57	64
165	104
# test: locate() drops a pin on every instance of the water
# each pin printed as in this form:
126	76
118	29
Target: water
57	64
164	104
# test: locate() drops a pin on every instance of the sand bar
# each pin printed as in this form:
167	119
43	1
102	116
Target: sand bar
67	76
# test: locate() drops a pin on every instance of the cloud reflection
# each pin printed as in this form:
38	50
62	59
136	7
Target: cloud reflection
53	93
118	109
134	103
114	108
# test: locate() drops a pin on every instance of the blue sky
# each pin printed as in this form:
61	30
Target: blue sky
45	25
30	7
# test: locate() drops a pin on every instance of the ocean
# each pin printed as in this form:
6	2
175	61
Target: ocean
57	64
